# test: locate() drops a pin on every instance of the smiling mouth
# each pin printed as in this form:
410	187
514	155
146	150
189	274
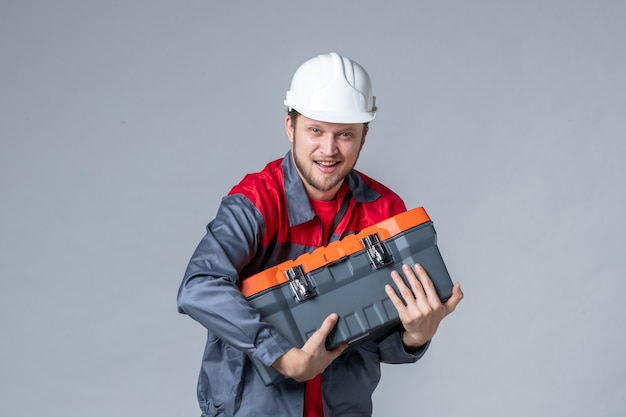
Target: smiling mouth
325	164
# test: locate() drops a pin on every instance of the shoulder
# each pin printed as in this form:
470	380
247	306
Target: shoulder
388	199
264	188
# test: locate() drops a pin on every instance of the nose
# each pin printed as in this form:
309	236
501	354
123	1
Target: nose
328	144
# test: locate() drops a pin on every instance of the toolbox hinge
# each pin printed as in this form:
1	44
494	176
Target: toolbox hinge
300	284
376	251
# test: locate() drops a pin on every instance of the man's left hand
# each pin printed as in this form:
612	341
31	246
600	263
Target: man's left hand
422	310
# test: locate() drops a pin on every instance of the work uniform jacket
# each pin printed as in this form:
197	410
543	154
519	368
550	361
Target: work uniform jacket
264	220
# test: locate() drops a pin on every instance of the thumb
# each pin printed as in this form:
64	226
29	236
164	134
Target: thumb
457	296
319	337
328	324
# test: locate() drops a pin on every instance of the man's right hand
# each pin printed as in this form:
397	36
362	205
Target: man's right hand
304	364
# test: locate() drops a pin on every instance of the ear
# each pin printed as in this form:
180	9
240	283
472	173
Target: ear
289	128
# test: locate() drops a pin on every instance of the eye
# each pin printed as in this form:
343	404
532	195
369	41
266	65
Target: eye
315	130
345	135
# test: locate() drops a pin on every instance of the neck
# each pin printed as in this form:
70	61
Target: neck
320	195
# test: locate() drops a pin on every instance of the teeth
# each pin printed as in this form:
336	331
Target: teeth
326	164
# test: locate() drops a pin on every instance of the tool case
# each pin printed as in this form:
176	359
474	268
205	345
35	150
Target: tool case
346	277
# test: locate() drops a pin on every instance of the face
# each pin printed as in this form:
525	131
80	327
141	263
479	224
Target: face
324	153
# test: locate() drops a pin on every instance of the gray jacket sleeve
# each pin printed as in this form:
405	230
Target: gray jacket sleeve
209	291
391	350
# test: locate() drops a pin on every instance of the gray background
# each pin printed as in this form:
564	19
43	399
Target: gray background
123	123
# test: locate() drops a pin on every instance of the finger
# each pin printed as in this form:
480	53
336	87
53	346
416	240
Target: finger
409	294
416	284
318	338
391	293
338	350
416	301
455	299
428	288
328	324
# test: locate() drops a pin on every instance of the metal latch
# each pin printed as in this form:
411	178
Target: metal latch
300	284
376	251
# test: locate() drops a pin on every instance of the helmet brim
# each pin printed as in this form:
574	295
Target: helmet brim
336	117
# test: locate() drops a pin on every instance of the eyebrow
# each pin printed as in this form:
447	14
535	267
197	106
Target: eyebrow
348	128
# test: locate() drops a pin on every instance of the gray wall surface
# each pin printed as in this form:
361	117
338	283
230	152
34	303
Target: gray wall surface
123	123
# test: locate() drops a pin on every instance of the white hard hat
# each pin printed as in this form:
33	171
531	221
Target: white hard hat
332	88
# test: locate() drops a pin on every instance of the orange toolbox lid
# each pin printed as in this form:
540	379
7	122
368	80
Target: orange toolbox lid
275	275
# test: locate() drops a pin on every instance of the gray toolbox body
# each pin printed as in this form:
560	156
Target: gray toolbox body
352	287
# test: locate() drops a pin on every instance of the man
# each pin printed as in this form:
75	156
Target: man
307	199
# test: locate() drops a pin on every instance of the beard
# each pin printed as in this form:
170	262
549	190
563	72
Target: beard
325	183
320	182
